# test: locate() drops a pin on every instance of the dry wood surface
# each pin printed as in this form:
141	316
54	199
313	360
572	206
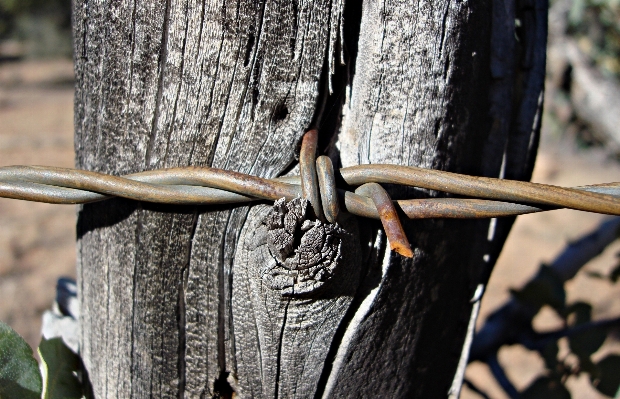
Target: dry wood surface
166	291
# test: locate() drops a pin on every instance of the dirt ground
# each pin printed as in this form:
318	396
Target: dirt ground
37	241
539	238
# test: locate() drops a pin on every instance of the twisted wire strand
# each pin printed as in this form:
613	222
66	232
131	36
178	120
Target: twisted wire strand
483	187
204	186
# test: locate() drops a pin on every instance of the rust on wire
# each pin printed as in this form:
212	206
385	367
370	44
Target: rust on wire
389	217
205	186
307	169
170	186
327	185
483	187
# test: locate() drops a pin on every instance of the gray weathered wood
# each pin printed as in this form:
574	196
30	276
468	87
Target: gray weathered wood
283	326
179	301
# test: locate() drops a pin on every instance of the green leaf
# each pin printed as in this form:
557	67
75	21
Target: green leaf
546	388
61	366
608	382
19	372
546	288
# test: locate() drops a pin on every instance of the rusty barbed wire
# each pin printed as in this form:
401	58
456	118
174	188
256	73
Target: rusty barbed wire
317	184
206	186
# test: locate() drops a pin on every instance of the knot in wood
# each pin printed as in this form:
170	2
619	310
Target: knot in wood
304	253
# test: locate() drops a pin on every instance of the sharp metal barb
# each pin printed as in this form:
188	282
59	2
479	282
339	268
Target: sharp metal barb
389	218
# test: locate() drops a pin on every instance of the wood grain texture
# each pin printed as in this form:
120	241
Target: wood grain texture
175	300
423	93
518	67
283	331
169	83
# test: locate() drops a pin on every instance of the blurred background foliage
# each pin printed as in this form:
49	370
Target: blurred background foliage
35	28
596	25
583	72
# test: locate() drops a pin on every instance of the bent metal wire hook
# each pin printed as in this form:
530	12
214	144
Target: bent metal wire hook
327	186
320	190
307	169
389	217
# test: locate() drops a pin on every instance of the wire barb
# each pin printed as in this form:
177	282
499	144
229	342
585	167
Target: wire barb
389	218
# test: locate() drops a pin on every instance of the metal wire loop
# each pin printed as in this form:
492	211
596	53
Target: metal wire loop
318	185
327	186
307	169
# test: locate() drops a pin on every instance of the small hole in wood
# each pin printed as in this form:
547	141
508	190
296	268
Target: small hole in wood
280	112
222	388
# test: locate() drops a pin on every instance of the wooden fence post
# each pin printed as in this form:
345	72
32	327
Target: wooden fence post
174	301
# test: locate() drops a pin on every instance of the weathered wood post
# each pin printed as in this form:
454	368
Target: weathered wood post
177	301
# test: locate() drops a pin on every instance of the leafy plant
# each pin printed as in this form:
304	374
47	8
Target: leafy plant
60	367
19	372
42	27
20	377
10	10
596	24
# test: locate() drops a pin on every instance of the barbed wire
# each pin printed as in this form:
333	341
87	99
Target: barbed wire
490	197
208	186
